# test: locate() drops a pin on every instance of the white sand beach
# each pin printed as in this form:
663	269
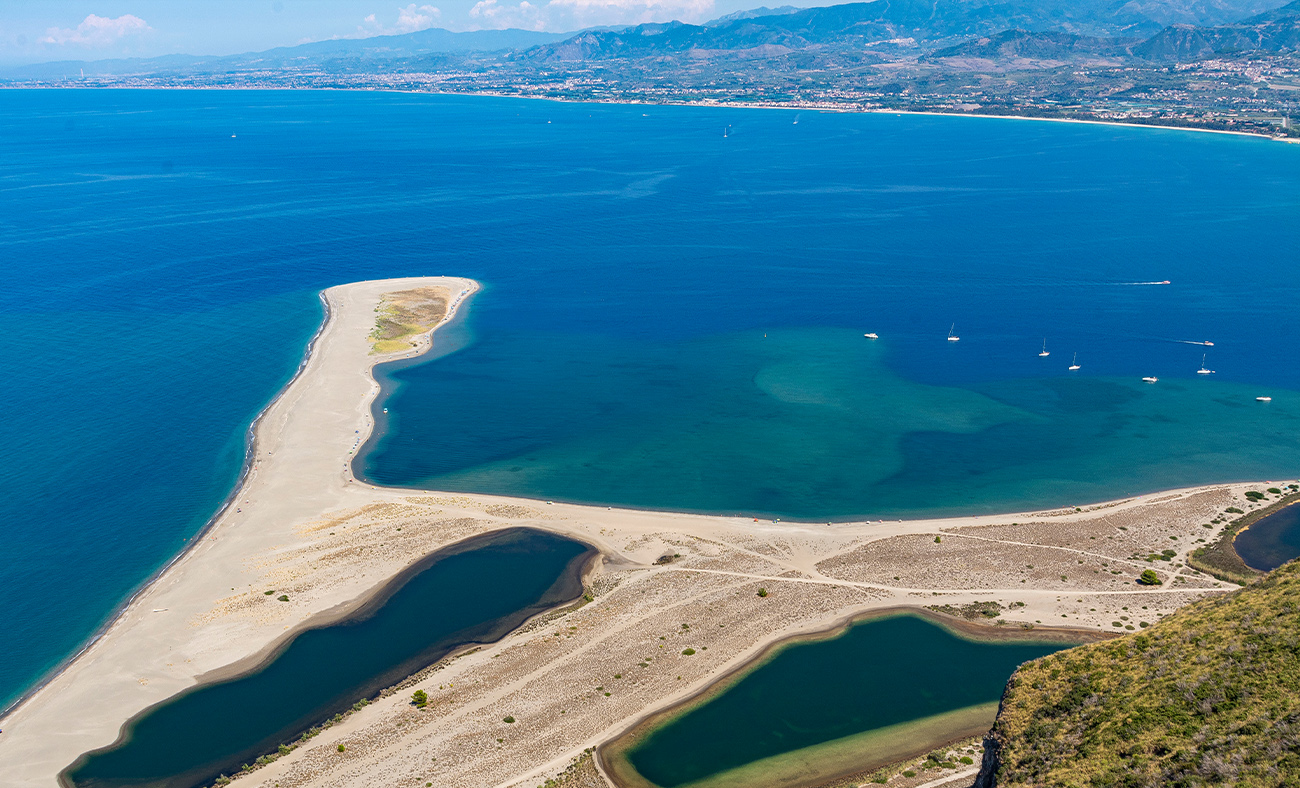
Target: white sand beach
300	523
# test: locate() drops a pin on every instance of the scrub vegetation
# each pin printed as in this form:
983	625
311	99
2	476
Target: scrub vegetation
1204	697
405	313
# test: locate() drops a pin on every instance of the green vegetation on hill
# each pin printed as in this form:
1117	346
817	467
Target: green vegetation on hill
1209	696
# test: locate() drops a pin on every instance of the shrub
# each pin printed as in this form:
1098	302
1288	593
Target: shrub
909	773
268	593
966	760
938	540
508	720
1275	491
1149	578
1234	510
762	592
420	698
342	748
686	652
283	597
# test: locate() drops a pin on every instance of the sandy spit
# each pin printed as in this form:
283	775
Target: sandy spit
302	525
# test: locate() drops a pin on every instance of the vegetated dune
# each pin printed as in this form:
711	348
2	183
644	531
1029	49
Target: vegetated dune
1205	697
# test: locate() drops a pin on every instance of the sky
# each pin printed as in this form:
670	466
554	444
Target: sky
34	31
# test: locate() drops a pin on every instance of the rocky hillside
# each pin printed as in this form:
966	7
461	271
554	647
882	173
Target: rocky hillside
1209	696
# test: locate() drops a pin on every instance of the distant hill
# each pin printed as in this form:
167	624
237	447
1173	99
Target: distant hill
751	13
1208	696
853	26
1022	44
432	41
1274	31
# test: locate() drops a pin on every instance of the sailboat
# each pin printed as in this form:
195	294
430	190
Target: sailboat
1044	354
1074	365
726	131
951	336
1203	370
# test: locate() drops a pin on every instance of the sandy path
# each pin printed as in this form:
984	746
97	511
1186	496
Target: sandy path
302	526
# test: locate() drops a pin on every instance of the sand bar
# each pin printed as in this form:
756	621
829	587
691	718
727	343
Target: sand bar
302	526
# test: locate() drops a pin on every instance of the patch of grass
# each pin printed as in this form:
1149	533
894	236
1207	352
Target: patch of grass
971	612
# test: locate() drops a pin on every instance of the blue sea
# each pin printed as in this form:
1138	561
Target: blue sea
670	318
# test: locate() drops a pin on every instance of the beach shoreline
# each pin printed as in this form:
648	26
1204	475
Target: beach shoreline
793	107
300	520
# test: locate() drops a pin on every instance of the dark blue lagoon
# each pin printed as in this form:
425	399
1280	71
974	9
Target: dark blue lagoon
473	592
163	250
811	712
1270	541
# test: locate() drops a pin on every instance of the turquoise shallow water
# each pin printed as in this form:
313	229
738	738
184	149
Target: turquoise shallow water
876	674
161	278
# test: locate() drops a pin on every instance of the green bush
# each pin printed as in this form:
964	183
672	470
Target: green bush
938	540
342	748
762	592
508	720
966	760
1149	578
283	597
420	698
1275	491
686	652
909	773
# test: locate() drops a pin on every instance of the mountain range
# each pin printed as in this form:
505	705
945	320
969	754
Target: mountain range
1152	30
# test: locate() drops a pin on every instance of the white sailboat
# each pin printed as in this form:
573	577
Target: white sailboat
1203	370
1044	354
952	337
1074	365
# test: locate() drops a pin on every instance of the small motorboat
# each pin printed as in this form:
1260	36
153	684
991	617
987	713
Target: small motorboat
1263	399
872	335
1150	380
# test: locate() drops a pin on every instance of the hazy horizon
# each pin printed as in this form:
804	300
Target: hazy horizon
57	30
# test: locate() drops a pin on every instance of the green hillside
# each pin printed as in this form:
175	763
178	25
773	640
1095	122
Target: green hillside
1209	696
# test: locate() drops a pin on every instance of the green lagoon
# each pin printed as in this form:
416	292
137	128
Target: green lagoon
882	690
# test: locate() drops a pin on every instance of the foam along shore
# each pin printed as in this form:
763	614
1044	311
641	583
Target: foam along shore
302	528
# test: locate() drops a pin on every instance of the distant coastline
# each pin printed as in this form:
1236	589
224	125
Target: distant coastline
794	106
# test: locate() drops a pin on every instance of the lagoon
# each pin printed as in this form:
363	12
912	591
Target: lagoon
1271	541
882	690
472	592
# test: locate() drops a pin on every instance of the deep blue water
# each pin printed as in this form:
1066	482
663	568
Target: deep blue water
160	280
